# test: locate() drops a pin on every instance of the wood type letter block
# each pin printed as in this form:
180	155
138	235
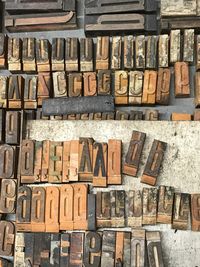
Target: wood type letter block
195	212
149	205
114	162
165	204
182	79
149	88
102	53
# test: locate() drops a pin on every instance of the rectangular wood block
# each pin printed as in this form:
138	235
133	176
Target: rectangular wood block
134	208
71	54
28	55
163	86
195	212
182	79
149	206
149	87
116	53
121	87
163	52
114	162
135	87
102	53
86	54
129	52
154	249
138	249
58	54
14	54
117	208
43	55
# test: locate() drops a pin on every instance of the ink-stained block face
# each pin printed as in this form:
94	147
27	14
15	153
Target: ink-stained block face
58	52
163	86
90	83
86	54
178	8
43	55
28	54
14	54
149	87
121	87
102	53
8	196
3	45
195	212
138	250
154	248
71	54
182	79
7	237
92	250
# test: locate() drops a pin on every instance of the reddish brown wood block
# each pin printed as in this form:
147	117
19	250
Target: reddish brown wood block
45	161
90	83
38	161
163	86
44	86
7	161
181	117
182	79
195	212
66	161
75	84
149	88
66	207
15	91
8	196
74	159
27	161
121	87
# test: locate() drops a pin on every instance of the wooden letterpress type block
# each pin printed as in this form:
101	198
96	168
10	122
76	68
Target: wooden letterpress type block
119	249
121	115
114	162
171	9
3	91
136	115
55	250
14	54
100	157
64	249
127	249
3	50
196	115
135	87
2	125
71	54
75	84
198	52
163	45
91	212
59	84
181	117
132	159
37	248
13	122
45	161
66	207
117	208
103	209
55	162
121	87
76	250
108	249
138	248
154	162
151	56
7	237
43	55
66	161
102	53
15	92
23	213
85	170
108	116
97	116
197	89
19	254
52	209
30	92
74	160
5	263
45	253
140	52
175	46
104	82
80	206
86	54
182	79
149	200
195	212
38	161
181	211
44	87
151	115
134	208
149	88
129	52
58	54
188	52
27	161
163	86
165	204
154	249
7	161
116	53
28	54
92	250
8	196
90	83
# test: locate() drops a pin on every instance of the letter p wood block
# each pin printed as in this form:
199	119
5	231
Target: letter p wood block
182	79
149	89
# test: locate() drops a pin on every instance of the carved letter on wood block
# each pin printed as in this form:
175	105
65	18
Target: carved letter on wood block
27	161
75	84
165	204
132	159
8	196
85	170
121	87
138	248
3	49
19	254
45	161
91	212
149	205
55	162
163	44
90	83
74	160
43	55
52	209
64	249
108	249
163	86
197	89
28	54
182	79
140	52
30	92
117	208
127	249
100	156
119	249
15	92
3	91
7	161
181	211
38	161
55	250
66	161
175	46
151	60
198	52
86	54
188	53
38	209
7	237
59	84
57	57
114	162
92	250
154	249
116	53
102	53
104	82
151	115
45	252
103	209
195	212
66	207
121	115
135	87
23	214
71	54
14	54
76	250
154	162
134	208
149	88
44	87
13	122
129	52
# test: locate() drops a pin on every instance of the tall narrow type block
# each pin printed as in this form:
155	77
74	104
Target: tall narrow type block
58	54
154	249
116	53
165	204
75	84
188	50
151	54
28	55
195	212
135	87
175	46
102	53
44	87
71	54
14	54
163	51
90	83
86	54
103	209
108	249
163	86
55	162
104	82
140	52
3	50
129	52
149	87
60	84
30	92
138	250
134	208
15	92
3	91
149	206
182	79
43	55
121	87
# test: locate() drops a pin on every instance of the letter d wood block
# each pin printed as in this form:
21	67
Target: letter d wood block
114	162
92	250
195	212
7	161
149	89
27	161
13	123
182	79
